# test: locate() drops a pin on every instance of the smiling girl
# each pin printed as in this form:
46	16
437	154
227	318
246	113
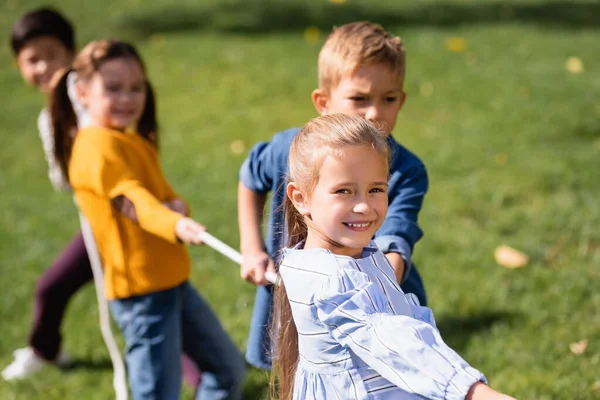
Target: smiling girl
346	329
140	226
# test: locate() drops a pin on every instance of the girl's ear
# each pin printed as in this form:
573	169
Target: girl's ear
82	92
299	199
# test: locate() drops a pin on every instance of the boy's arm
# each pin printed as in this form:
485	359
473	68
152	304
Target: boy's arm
400	230
250	215
256	179
398	264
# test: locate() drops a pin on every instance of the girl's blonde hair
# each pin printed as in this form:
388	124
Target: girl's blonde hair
88	62
319	138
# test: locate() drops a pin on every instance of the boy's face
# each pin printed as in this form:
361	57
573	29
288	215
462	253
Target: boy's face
40	59
371	91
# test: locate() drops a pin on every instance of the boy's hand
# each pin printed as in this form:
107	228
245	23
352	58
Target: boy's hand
187	230
178	206
397	264
254	266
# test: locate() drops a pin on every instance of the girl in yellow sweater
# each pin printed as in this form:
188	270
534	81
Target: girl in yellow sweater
140	226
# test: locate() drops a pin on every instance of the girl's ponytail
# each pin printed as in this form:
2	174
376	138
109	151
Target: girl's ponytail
64	122
283	327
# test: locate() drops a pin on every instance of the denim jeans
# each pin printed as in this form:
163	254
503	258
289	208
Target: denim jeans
258	352
157	327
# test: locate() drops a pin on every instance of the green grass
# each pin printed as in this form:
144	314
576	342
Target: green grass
510	138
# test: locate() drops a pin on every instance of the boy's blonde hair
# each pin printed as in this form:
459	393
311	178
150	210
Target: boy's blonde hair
358	44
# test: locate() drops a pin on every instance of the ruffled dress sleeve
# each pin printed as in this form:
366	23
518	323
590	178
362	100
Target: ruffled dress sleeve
407	350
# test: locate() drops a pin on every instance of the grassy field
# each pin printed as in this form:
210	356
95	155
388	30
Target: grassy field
509	131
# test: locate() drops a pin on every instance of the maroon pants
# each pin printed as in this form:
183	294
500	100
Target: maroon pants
54	289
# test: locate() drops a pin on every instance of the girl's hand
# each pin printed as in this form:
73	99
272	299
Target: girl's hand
187	230
178	206
481	391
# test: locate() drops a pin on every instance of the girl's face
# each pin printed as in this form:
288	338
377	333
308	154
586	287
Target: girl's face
348	203
116	94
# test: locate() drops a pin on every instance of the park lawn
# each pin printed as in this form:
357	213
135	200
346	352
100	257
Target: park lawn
510	137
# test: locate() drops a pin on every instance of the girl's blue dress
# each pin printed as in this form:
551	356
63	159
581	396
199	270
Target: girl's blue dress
360	337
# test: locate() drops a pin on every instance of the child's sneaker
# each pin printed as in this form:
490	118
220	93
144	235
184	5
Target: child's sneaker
27	363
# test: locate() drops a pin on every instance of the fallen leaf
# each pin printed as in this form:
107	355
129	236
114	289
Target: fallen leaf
501	158
574	65
470	58
311	34
237	147
596	386
456	44
337	1
426	89
510	258
578	347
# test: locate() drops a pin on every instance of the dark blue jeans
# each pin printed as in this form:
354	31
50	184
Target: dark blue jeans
157	327
258	352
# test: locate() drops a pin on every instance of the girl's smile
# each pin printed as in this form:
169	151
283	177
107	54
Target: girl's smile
116	95
348	203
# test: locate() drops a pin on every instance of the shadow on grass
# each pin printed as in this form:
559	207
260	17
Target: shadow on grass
273	16
257	384
458	330
90	365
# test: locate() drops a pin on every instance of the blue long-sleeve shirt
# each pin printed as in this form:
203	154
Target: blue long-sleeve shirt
265	170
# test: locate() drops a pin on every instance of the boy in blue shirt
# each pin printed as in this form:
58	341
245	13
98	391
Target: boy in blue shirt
361	72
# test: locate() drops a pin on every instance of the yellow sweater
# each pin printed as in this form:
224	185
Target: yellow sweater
138	258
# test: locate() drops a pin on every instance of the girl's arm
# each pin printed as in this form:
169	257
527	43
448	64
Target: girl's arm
406	351
98	165
481	391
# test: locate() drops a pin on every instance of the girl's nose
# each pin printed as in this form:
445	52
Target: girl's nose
361	207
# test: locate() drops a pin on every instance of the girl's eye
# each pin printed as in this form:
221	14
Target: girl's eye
377	190
391	99
138	89
342	191
112	88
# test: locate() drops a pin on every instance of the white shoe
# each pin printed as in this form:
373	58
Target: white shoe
27	363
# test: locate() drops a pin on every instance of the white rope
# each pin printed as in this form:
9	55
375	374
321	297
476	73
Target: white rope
231	253
119	374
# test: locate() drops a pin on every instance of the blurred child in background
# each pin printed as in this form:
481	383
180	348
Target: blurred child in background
43	43
140	227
